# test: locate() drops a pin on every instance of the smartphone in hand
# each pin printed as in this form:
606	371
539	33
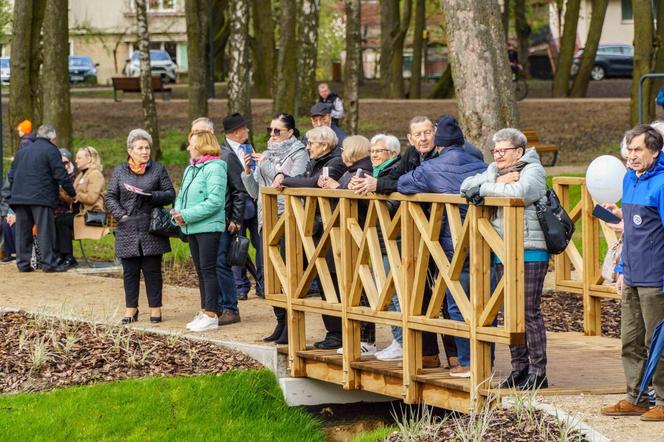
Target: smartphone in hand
605	215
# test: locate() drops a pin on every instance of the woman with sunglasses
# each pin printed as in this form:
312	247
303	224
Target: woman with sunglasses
518	173
64	216
285	155
89	185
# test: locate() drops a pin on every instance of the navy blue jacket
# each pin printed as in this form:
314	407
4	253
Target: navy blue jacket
443	174
37	174
643	213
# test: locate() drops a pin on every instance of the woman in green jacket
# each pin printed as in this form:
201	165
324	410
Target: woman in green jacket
199	211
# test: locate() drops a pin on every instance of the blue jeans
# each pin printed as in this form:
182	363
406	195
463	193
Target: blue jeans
397	332
240	273
228	298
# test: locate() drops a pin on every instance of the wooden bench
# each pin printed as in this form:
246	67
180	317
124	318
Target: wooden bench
551	150
133	84
112	224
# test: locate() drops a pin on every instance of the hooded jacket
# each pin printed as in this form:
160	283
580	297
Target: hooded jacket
642	259
202	196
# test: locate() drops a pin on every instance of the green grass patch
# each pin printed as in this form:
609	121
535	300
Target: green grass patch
236	406
374	435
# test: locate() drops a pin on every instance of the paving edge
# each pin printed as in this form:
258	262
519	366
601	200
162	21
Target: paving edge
586	430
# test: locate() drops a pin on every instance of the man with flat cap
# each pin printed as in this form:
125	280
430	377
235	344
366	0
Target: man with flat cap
321	116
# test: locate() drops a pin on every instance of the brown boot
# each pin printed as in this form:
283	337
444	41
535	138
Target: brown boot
228	317
430	361
655	414
623	408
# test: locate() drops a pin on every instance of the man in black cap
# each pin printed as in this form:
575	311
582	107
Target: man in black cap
237	139
320	116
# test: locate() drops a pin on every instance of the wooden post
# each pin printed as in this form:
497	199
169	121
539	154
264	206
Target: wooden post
592	308
561	262
514	270
480	283
297	340
350	328
270	217
412	339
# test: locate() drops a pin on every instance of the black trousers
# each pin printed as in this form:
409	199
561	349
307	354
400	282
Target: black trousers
64	234
204	248
42	217
151	268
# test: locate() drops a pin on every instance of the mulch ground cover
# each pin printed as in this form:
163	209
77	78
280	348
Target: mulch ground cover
42	353
563	312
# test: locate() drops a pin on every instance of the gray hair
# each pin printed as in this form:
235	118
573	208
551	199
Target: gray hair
46	131
324	134
391	142
137	135
209	125
514	136
420	119
623	148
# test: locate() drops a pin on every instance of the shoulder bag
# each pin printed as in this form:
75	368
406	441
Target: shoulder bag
556	224
161	224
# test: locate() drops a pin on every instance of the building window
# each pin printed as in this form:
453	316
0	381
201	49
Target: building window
626	7
157	5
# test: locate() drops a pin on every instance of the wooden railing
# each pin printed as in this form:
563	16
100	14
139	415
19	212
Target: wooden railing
411	238
580	271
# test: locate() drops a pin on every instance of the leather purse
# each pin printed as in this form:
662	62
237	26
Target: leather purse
238	252
95	219
556	224
161	224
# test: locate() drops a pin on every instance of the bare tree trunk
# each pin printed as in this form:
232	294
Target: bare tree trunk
196	13
308	51
580	83
566	52
149	106
287	63
657	83
57	106
239	98
263	47
506	18
393	29
643	52
220	33
415	90
445	85
353	63
522	34
477	44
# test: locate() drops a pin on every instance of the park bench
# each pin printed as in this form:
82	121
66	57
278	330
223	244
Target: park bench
111	223
551	150
133	84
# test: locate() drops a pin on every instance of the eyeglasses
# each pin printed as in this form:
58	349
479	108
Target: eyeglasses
501	152
273	130
378	151
66	163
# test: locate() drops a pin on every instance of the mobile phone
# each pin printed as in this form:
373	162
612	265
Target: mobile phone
248	150
360	173
326	172
605	215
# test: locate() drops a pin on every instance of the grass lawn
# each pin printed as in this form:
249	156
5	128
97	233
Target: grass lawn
236	406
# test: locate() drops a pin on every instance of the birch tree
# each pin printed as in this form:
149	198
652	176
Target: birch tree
147	96
353	64
196	15
239	98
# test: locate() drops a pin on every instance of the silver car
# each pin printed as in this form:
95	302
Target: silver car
161	64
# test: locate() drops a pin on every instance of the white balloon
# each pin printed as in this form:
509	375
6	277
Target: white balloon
604	178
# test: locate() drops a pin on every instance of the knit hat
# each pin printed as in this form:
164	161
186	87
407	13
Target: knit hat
25	126
448	132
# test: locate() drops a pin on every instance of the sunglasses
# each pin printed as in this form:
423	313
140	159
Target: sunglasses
273	130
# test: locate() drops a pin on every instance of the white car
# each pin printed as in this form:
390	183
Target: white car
5	72
161	64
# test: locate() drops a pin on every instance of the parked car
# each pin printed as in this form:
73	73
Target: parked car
161	64
611	60
5	71
82	70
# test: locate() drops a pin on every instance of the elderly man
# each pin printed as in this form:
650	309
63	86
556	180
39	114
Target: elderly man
35	179
325	95
641	269
236	196
325	161
320	116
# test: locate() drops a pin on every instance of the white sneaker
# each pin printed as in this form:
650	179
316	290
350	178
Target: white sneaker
366	349
196	319
206	323
392	353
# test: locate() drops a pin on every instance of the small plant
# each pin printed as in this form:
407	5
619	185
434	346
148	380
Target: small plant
39	355
70	342
22	340
415	422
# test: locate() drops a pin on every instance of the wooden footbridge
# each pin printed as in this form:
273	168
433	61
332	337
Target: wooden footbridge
337	235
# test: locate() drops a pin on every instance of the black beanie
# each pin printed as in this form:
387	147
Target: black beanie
448	132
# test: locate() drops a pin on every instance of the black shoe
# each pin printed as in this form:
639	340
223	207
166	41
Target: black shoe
155	319
130	319
260	294
283	339
70	262
56	269
276	334
26	270
534	382
515	378
331	342
8	258
243	297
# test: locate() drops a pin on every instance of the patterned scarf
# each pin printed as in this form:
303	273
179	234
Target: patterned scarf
203	158
517	167
137	168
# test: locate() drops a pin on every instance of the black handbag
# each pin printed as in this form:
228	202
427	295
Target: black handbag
95	219
161	224
238	252
556	224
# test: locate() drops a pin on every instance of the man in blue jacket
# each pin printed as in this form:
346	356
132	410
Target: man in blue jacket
444	174
641	280
35	179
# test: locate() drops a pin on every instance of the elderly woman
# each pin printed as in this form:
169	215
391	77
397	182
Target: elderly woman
64	219
200	213
518	173
285	154
89	187
355	155
137	187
